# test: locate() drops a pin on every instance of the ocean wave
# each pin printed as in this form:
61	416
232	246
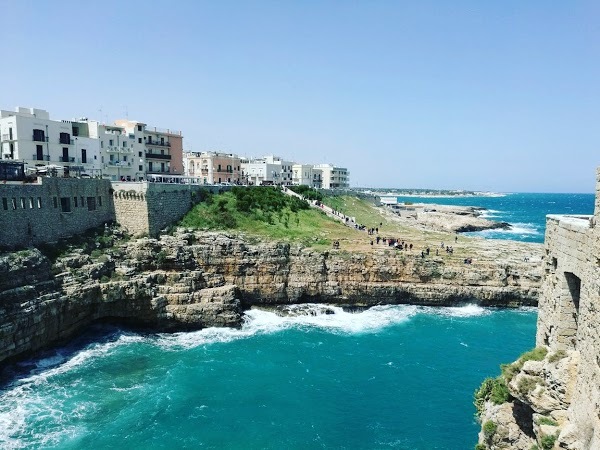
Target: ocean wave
516	229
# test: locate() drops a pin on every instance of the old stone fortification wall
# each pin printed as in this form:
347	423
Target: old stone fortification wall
147	208
560	395
51	209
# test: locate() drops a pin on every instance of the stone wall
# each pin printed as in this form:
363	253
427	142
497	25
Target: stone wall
147	208
559	396
569	316
52	208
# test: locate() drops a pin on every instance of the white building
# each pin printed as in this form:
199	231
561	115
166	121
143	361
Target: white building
268	170
29	135
127	150
334	177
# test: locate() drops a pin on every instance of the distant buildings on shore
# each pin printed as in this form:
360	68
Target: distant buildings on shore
228	168
133	151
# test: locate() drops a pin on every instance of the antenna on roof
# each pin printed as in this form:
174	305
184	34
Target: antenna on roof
126	113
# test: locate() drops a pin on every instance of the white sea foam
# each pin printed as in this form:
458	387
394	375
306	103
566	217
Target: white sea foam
521	229
258	321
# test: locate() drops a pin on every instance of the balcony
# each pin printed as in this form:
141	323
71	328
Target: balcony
64	141
115	149
157	156
44	157
67	159
37	138
157	143
7	137
119	163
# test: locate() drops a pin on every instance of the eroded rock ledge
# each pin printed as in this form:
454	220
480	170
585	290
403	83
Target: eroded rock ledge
195	280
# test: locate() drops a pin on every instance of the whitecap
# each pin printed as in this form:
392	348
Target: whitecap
469	310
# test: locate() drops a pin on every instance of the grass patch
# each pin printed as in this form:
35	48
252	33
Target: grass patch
510	370
526	385
266	212
545	420
492	389
489	429
557	356
547	441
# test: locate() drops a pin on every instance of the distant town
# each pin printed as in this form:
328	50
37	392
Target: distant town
128	150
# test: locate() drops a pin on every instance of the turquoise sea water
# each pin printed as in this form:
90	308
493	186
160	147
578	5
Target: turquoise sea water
391	377
525	212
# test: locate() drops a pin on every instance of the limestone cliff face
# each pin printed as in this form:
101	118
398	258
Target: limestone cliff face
560	395
195	280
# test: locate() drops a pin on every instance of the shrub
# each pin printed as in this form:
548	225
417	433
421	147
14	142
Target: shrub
526	385
96	253
547	441
161	257
104	279
489	429
545	420
510	370
534	447
557	356
492	389
480	447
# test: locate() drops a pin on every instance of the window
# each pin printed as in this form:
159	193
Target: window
39	153
124	144
23	202
14	203
83	155
39	202
30	202
219	168
110	142
139	140
81	200
140	154
10	133
39	135
139	128
100	201
75	201
91	203
65	138
4	203
125	158
101	144
65	204
140	168
55	202
65	156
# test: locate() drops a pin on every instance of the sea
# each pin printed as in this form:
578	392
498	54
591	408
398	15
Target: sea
399	377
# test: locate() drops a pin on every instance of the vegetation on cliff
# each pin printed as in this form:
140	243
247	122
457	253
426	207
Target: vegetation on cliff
266	212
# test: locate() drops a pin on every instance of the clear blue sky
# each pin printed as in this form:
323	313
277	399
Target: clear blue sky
484	95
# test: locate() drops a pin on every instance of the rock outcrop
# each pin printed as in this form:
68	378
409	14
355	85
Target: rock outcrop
560	394
194	280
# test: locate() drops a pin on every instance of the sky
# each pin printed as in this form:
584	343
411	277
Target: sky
479	95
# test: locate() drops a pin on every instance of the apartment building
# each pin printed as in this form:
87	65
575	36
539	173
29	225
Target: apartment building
29	135
127	150
213	167
334	177
270	170
162	149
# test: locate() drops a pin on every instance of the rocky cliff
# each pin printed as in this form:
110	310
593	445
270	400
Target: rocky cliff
194	280
552	401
